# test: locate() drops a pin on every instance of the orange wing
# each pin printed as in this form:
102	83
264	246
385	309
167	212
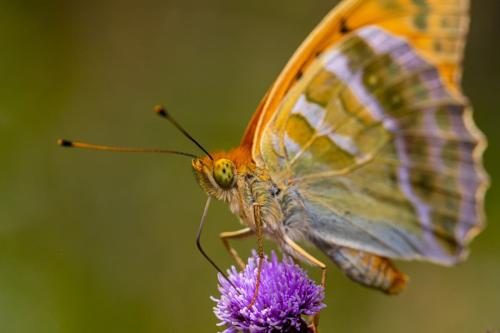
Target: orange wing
435	27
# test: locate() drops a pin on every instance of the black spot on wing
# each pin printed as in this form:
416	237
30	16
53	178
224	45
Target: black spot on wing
344	28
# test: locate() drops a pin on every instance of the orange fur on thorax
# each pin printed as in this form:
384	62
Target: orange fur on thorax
241	157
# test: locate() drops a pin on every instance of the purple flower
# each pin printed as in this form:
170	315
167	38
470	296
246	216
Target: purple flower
285	295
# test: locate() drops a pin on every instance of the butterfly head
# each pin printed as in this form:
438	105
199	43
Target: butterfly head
218	173
216	177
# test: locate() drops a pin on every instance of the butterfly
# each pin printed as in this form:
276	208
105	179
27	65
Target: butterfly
364	147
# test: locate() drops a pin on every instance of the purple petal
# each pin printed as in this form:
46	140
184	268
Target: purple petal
285	295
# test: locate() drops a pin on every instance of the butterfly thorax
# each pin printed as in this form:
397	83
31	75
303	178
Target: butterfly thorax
243	186
256	190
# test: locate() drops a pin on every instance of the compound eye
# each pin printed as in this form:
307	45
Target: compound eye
224	173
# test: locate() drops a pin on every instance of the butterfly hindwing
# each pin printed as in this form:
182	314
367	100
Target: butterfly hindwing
381	149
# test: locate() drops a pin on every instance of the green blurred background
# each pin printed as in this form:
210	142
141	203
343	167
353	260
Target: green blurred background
96	242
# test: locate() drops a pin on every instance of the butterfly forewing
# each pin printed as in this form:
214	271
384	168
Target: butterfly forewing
437	29
377	138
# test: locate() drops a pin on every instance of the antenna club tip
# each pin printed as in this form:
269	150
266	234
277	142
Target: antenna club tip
64	143
160	109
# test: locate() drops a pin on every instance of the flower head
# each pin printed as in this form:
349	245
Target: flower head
285	295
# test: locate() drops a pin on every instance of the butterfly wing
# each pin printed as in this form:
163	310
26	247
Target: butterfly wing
436	27
375	136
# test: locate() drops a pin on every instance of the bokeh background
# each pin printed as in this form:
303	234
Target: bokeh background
96	242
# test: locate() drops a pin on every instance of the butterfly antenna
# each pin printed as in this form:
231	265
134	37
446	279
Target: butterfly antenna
160	110
82	145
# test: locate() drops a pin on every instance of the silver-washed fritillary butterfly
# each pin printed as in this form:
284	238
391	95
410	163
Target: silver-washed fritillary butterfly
364	146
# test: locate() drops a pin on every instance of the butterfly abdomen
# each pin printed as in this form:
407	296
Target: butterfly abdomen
368	269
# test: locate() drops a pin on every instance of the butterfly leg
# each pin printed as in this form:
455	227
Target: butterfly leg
239	234
298	251
259	228
243	233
